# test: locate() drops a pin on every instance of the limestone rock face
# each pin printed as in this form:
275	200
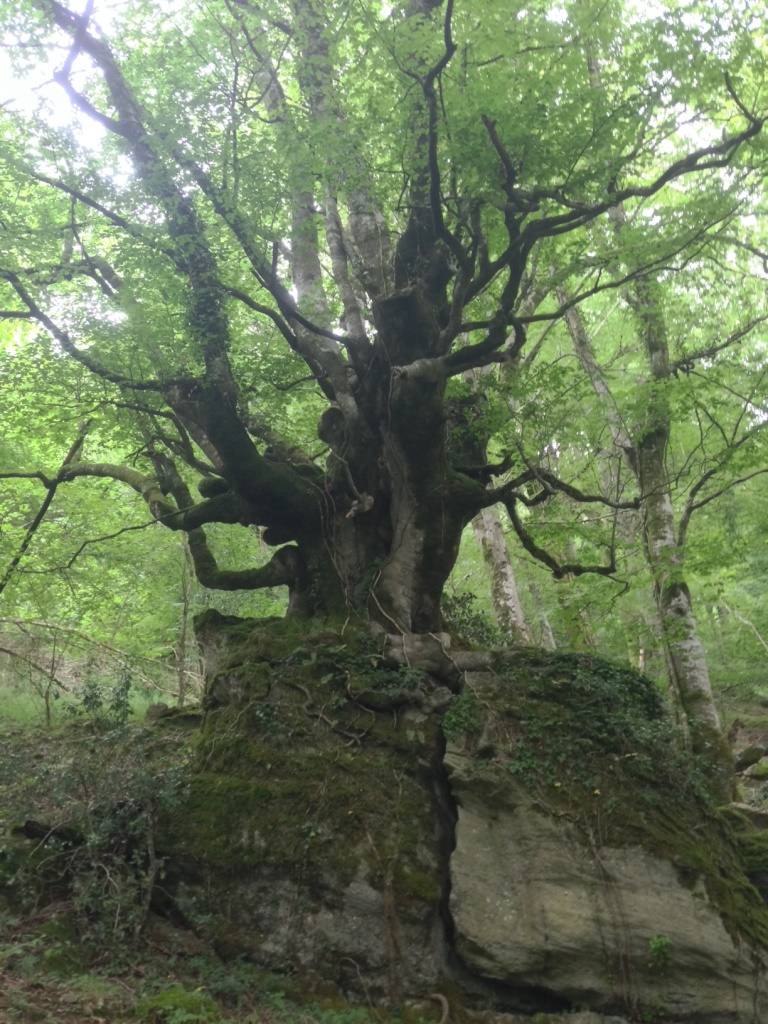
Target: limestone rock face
535	903
535	844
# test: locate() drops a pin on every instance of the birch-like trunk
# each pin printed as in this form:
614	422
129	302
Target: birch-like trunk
504	593
685	652
646	457
546	635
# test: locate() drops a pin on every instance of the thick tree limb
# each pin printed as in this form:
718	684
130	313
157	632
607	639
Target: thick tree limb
284	569
281	570
223	508
15	314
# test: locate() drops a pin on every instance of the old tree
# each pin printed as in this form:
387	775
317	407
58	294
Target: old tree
212	209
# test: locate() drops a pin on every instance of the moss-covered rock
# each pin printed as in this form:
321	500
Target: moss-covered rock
592	742
591	829
309	835
316	834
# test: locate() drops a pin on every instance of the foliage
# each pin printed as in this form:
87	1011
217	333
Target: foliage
466	620
587	726
463	716
106	705
175	314
659	951
102	857
149	984
84	205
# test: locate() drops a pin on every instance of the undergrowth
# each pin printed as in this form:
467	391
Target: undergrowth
46	978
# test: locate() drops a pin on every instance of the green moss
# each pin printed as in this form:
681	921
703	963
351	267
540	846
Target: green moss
298	775
271	640
759	770
178	1004
593	740
753	847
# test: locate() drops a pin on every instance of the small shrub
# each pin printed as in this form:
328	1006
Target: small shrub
659	952
467	621
107	704
115	792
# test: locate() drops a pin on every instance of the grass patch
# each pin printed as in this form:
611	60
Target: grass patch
21	708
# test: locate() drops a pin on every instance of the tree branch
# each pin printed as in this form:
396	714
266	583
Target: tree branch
281	570
703	159
692	506
33	664
68	345
559	570
686	362
51	486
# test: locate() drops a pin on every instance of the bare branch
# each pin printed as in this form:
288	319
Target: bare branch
558	569
692	506
87	543
51	486
33	664
687	361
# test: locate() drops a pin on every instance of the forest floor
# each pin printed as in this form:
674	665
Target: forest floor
79	942
79	953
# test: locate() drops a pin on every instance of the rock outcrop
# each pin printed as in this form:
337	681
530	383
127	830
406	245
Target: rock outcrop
536	844
537	902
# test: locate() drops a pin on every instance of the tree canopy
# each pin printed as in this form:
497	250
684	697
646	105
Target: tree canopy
358	272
